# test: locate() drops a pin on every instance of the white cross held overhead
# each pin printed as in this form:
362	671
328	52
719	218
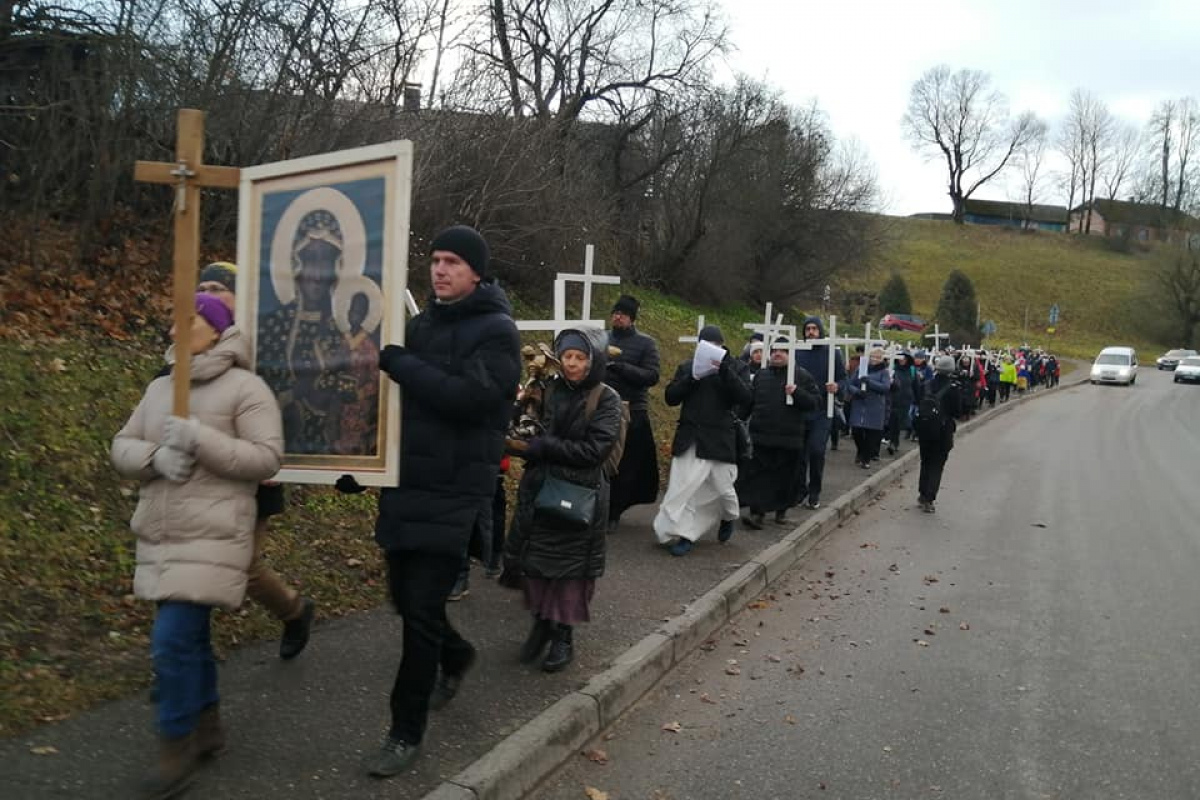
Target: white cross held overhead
773	329
937	337
868	345
833	341
560	322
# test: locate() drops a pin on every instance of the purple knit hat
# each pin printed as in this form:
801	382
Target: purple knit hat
215	313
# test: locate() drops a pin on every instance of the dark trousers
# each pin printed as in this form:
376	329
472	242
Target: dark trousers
419	584
1005	389
867	441
933	461
812	468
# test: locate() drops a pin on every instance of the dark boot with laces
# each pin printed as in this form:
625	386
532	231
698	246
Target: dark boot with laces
394	757
539	636
296	631
562	649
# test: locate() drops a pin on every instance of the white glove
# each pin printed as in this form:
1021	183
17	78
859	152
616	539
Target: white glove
173	464
182	434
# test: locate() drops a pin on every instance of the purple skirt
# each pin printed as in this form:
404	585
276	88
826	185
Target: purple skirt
565	601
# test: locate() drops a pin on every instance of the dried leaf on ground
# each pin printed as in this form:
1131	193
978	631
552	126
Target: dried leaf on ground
789	719
596	755
922	643
594	793
930	579
964	626
44	750
704	698
759	604
733	669
943	610
672	727
868	546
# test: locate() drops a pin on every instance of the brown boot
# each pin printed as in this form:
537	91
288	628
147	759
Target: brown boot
210	736
175	769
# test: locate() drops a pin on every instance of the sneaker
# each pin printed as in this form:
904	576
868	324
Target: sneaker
296	631
725	531
754	522
682	547
812	505
461	589
493	572
394	757
447	686
864	464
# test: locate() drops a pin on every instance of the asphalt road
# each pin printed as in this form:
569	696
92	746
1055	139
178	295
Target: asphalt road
1037	638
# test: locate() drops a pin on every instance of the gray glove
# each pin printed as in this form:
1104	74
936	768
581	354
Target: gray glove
173	464
182	434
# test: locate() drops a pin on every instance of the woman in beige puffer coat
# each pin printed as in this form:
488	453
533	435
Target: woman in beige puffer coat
195	524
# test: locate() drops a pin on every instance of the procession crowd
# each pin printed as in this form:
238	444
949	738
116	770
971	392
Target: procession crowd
753	431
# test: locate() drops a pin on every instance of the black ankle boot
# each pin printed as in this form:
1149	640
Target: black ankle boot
562	649
536	641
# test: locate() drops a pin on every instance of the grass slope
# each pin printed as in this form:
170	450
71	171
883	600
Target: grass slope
1101	293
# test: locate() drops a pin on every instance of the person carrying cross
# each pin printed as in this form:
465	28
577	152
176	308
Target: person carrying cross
815	362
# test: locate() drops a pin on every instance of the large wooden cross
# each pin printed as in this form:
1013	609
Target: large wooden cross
588	278
832	341
188	174
772	329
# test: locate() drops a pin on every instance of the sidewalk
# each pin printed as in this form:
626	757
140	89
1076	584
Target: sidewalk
301	729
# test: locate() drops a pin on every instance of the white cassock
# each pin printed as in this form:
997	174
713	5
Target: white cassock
699	496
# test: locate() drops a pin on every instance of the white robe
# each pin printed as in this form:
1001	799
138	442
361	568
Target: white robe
699	496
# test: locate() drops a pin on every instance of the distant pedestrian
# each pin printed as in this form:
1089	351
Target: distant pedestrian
904	392
459	369
701	493
936	415
194	524
558	561
632	373
1008	377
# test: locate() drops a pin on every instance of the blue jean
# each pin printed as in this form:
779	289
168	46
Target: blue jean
181	644
813	471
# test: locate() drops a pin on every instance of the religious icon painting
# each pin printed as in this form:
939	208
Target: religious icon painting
323	246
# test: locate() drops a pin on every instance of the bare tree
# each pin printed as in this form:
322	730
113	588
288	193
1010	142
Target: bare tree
1031	160
1180	281
957	116
1125	147
1085	143
1174	136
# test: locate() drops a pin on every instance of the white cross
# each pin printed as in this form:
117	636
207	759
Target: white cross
770	331
411	302
868	345
833	342
560	322
694	339
937	337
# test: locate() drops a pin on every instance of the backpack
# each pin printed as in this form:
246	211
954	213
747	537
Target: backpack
613	462
931	420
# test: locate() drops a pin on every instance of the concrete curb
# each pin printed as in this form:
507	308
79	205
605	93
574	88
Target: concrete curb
520	761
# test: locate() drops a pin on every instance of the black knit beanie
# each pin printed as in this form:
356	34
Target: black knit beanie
628	305
466	243
222	272
711	333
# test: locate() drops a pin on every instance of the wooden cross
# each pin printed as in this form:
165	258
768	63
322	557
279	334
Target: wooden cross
188	174
937	337
560	322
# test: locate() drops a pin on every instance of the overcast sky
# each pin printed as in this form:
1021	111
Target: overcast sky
859	58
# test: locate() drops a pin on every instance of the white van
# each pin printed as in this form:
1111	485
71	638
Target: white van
1115	365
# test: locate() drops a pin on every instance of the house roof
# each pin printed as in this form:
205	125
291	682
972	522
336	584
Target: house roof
1016	211
1151	215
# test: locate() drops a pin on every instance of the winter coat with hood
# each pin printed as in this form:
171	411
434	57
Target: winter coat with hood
196	538
870	395
904	384
773	423
816	363
636	369
574	448
710	406
459	370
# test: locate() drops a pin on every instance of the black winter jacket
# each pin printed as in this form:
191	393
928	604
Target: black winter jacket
634	371
709	407
773	423
459	370
573	448
952	406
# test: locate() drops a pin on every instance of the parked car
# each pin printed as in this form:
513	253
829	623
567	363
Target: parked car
1115	365
901	322
1188	370
1171	358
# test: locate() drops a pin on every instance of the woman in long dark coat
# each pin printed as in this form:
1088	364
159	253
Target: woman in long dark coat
558	565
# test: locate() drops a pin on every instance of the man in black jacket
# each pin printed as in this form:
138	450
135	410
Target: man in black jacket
459	370
632	372
704	465
937	432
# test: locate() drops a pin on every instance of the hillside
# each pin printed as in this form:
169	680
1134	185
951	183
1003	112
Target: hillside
1103	295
